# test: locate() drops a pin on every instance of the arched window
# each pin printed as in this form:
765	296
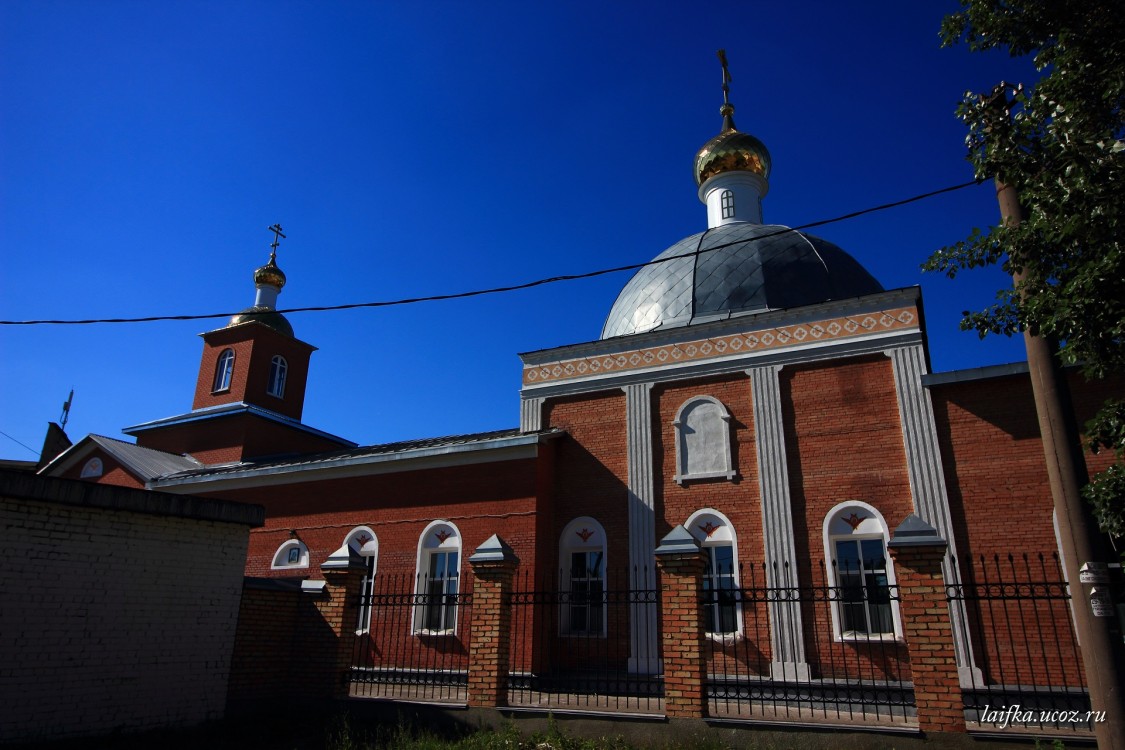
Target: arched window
278	368
439	575
722	614
726	201
703	440
224	368
291	554
93	469
582	564
855	548
362	541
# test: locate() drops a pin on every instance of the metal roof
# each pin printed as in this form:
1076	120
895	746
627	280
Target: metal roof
736	268
387	451
147	462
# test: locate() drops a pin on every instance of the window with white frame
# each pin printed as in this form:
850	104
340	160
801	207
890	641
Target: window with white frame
224	368
278	369
582	564
439	576
363	542
855	544
703	451
722	614
291	554
726	200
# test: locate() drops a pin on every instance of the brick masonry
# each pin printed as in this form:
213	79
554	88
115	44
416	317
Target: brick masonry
928	633
113	620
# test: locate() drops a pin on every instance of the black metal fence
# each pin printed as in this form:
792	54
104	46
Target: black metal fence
571	637
1025	670
412	638
815	653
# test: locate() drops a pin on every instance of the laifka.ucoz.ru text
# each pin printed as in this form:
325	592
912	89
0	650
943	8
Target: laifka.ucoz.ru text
1016	714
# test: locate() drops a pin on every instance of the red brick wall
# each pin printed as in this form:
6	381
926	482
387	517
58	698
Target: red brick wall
262	675
112	471
993	459
737	499
591	474
233	438
843	442
1001	502
254	345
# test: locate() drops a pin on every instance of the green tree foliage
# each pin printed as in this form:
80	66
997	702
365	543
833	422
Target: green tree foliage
1061	142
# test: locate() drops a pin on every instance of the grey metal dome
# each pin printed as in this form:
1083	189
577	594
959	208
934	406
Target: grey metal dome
756	267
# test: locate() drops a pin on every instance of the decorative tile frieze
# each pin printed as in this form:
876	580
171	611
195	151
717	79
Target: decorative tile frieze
727	345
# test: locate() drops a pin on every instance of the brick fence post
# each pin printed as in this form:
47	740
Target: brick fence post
494	563
680	563
339	607
918	551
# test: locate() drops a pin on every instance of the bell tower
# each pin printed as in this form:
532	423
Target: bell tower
250	391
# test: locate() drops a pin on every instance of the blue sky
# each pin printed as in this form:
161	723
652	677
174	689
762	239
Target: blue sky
427	148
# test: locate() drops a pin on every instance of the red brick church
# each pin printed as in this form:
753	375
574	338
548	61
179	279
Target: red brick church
754	384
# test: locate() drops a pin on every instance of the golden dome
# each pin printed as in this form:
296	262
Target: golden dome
267	316
270	274
731	151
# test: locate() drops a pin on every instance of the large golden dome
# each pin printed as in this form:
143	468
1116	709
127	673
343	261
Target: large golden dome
730	151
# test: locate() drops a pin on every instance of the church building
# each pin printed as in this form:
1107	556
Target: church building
754	384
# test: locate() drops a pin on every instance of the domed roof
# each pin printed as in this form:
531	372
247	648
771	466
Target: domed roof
267	316
756	267
731	150
270	274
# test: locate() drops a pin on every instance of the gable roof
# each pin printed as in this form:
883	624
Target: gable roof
146	464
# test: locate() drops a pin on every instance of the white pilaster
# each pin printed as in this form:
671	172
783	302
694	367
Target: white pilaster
927	483
786	628
531	414
644	644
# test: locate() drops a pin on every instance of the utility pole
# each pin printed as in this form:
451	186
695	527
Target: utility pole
1083	547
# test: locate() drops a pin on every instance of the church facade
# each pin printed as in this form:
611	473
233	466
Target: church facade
754	384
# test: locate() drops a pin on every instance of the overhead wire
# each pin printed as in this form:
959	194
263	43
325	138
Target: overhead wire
510	287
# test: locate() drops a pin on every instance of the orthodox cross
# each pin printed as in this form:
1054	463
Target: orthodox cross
726	76
276	229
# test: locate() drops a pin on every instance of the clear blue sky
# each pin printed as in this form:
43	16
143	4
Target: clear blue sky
421	148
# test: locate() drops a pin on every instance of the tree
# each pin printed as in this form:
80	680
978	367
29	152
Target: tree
1061	142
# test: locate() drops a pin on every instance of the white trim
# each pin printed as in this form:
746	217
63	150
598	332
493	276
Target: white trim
452	543
276	386
570	543
280	560
873	527
92	469
683	454
707	541
369	551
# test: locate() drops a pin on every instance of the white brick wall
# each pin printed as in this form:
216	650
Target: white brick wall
113	620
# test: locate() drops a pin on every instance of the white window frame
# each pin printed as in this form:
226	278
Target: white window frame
283	557
684	447
224	371
279	370
583	535
866	523
439	538
712	529
726	203
362	541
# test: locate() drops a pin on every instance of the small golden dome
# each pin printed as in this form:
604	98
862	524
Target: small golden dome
731	151
270	274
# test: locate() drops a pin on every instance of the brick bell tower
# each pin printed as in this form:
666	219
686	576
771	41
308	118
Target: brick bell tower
250	391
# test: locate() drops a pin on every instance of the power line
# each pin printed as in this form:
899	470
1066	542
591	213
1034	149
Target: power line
19	443
502	289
